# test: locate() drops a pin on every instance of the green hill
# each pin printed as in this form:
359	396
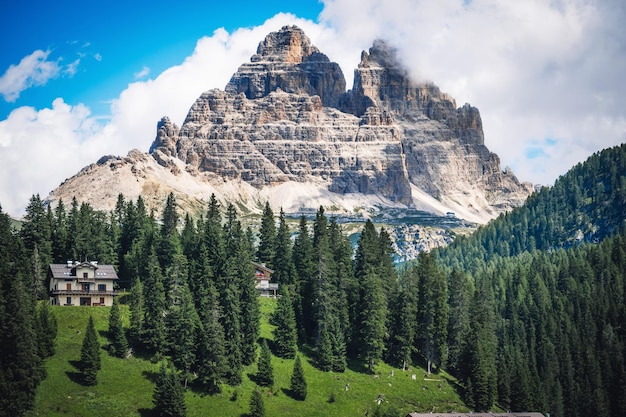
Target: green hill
587	204
125	386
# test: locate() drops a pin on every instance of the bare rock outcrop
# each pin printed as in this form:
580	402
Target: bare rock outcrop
286	127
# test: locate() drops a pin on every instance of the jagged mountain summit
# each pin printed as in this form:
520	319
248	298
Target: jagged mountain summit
285	129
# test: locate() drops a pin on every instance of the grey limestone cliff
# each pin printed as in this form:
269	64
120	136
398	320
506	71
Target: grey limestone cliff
285	116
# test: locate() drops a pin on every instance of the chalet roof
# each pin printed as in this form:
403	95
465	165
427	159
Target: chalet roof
262	267
65	271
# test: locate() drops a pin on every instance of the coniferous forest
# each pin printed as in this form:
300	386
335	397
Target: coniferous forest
528	312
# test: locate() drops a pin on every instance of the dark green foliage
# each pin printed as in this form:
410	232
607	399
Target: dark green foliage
90	355
118	343
265	371
432	312
403	320
372	319
21	367
285	335
284	269
169	394
266	251
298	387
257	406
211	359
46	329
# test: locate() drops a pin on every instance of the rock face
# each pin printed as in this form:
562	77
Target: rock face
285	118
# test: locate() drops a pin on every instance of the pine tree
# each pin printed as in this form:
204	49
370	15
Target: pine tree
257	407
90	355
267	237
305	268
285	334
47	329
372	318
136	308
403	320
169	394
21	367
119	343
432	312
282	264
153	331
298	382
211	359
265	371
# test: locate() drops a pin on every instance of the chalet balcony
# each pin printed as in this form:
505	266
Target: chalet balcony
83	292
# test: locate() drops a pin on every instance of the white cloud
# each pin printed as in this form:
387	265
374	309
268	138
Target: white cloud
33	70
141	74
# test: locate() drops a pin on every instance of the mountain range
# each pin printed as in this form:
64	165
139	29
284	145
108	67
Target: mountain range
285	130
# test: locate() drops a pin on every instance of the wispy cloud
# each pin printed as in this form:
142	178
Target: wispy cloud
33	70
143	73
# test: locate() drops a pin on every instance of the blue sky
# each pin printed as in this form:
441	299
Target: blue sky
117	44
79	81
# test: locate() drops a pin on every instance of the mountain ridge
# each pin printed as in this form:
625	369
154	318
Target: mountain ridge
285	121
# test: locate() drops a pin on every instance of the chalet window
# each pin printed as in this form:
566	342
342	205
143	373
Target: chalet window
102	287
85	275
85	301
101	301
68	287
68	301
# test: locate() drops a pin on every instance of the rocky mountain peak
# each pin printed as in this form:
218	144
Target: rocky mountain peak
290	44
286	61
285	129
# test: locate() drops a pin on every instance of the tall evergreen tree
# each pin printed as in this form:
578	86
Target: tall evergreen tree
282	264
265	371
211	359
90	355
267	237
403	320
118	342
47	329
372	320
298	387
305	268
153	330
169	394
432	312
21	367
285	334
136	307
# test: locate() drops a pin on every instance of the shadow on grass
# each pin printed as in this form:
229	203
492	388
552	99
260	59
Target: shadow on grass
146	412
75	377
151	376
291	394
358	366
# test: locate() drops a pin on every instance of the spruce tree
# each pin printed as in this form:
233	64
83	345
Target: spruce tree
265	371
21	367
298	382
119	344
257	407
211	358
136	307
47	329
284	269
267	237
90	355
169	394
372	318
285	334
432	312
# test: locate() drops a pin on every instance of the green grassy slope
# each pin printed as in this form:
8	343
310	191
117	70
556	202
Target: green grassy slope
125	386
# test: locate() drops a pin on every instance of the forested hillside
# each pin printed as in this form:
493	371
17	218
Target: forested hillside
548	281
586	204
528	313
